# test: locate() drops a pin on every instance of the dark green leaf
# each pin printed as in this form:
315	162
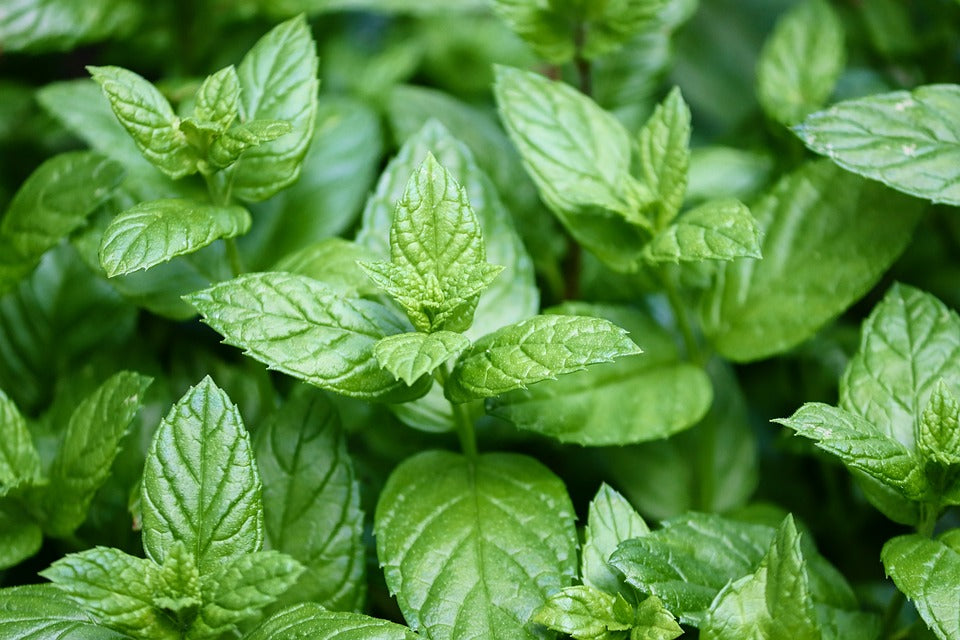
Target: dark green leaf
20	535
38	26
43	613
19	460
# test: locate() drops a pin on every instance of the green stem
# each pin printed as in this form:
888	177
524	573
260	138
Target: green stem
584	68
233	256
461	417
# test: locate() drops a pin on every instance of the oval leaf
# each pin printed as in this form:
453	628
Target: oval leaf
313	622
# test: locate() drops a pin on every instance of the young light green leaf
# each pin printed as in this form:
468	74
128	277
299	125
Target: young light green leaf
773	602
40	612
200	486
827	238
89	446
903	139
634	399
112	585
610	521
305	329
19	459
311	500
860	445
536	349
241	587
503	525
579	157
408	356
584	613
717	230
312	621
233	143
664	156
909	343
175	585
20	535
278	81
148	118
928	572
218	98
800	62
654	622
938	434
153	232
56	200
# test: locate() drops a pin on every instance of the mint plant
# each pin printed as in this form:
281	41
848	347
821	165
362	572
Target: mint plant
479	319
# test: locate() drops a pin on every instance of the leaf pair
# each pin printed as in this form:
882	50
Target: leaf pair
618	197
205	572
897	418
52	497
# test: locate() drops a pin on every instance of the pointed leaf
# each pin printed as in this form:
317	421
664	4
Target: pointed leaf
316	623
717	230
938	437
801	62
40	612
113	586
228	147
218	98
89	447
904	139
928	572
664	156
175	585
828	236
610	521
411	355
19	459
654	622
860	445
584	613
307	330
200	486
278	81
153	232
533	350
20	536
773	603
503	526
148	118
579	157
311	500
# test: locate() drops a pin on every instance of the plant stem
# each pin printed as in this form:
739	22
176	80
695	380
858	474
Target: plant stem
233	256
584	68
461	417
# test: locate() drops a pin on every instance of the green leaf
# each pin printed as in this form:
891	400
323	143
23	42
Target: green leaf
536	349
801	62
200	486
664	156
333	261
112	585
938	436
773	602
241	587
503	525
727	172
227	148
19	460
654	622
56	200
828	236
909	343
175	585
153	232
40	612
218	98
278	81
610	521
38	26
148	118
928	572
408	356
579	156
311	500
20	536
902	139
584	613
717	230
312	621
860	445
437	265
634	399
89	447
305	329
